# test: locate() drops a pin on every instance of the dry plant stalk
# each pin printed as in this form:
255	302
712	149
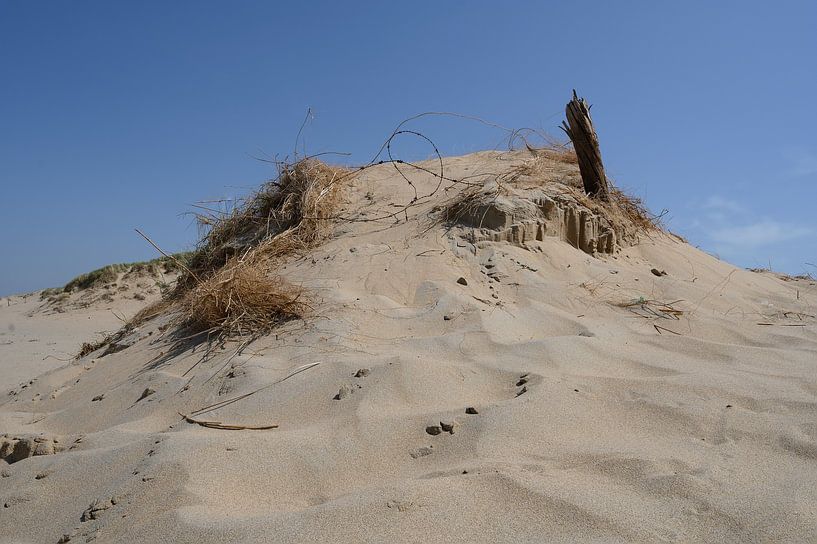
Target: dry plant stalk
651	309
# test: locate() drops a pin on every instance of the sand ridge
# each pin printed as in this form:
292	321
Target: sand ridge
468	390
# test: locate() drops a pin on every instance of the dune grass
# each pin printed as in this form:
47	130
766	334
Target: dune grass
110	273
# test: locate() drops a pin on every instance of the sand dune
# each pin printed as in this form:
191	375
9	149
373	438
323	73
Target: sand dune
578	394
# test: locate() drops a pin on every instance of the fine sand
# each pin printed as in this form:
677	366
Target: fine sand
451	388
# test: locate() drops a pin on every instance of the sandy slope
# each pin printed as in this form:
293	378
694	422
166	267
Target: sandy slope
592	424
38	334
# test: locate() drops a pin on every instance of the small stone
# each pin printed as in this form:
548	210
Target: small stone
521	382
434	430
522	391
64	538
657	272
362	373
98	397
448	426
41	475
447	317
5	474
471	410
146	393
343	392
462	281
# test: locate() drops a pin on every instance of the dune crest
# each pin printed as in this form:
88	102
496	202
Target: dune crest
500	361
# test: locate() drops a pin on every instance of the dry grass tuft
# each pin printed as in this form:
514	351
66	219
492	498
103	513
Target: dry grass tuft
291	213
559	163
230	287
90	347
563	153
634	210
241	298
467	202
149	312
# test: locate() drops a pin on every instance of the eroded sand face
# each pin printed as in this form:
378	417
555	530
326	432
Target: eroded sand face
468	391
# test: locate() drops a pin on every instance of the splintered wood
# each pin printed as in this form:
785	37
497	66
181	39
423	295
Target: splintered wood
579	128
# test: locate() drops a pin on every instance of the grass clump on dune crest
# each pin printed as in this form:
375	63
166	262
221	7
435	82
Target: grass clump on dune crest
230	284
110	273
558	163
291	213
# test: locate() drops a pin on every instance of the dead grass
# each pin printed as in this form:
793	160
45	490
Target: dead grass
232	287
241	298
555	170
289	214
149	312
634	210
563	153
90	347
466	203
544	168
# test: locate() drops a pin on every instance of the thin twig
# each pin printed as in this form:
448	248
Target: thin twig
177	261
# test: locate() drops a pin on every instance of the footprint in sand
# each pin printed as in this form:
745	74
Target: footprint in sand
421	452
345	391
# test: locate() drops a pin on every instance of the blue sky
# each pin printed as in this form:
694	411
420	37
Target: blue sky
116	115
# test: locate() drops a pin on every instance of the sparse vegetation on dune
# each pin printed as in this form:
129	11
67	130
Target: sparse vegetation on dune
288	214
628	207
243	297
110	273
553	170
230	285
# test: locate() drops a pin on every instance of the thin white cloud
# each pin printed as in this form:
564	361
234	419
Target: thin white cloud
803	163
759	234
720	203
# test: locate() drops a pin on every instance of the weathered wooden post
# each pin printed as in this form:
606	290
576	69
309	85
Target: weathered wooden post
579	128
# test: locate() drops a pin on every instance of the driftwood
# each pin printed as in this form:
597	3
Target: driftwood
227	426
579	128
